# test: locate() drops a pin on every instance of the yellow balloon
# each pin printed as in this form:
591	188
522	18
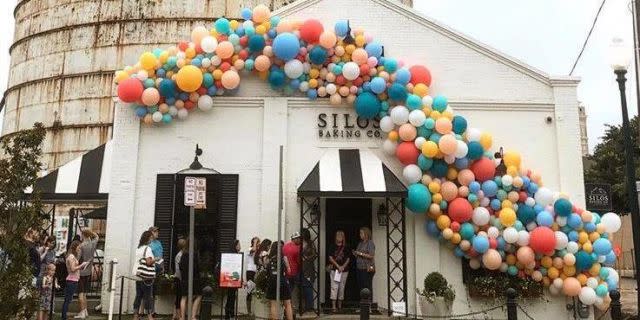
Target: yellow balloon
507	217
443	222
569	270
595	269
583	237
148	61
121	75
456	238
434	187
189	78
393	135
486	141
429	149
587	247
582	278
546	262
436	198
420	89
511	158
553	273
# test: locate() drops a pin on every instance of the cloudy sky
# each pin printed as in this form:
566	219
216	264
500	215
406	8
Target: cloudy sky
546	34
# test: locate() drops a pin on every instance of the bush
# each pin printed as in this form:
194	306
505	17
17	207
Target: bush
435	285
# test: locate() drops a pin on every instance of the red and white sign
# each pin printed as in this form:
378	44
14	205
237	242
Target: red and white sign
195	192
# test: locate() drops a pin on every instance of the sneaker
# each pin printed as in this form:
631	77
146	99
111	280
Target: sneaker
81	315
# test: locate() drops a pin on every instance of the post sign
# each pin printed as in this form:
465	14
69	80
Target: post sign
195	192
231	270
598	197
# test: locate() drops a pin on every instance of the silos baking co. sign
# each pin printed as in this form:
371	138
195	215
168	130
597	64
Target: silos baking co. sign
338	126
598	196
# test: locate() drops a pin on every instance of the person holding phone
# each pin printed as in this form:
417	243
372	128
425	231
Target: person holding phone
73	269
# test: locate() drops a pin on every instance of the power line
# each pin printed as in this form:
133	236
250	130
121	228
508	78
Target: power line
584	45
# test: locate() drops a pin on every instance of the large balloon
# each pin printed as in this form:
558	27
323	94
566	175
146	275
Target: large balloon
189	78
542	240
407	153
130	90
419	198
286	46
310	31
483	169
492	259
571	286
611	222
420	74
460	210
367	105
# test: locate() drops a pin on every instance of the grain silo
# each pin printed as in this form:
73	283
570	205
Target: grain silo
65	53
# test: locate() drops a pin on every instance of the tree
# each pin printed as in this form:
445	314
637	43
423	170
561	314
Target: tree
19	166
607	163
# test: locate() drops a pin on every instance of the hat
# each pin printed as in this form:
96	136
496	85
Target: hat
295	235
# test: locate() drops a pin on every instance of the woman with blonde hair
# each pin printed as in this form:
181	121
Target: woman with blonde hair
339	260
365	264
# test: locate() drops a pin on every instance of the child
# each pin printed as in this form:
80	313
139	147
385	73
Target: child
48	281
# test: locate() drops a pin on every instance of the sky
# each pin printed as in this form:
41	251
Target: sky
546	34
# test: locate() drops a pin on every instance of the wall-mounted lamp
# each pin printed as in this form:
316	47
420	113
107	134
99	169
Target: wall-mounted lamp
382	215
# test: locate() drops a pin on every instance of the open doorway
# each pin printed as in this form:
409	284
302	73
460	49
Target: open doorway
347	215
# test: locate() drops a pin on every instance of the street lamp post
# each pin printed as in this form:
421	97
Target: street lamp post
620	59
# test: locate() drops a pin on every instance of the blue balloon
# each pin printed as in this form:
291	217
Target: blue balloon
403	76
413	102
435	137
439	103
277	78
584	261
459	124
562	207
166	118
246	13
613	285
544	218
461	163
222	25
167	88
424	163
432	229
602	247
312	94
475	150
374	49
377	85
458	252
467	231
480	244
574	221
418	198
212	91
286	46
397	92
525	213
141	112
495	204
367	105
390	65
590	227
342	28
610	259
474	186
490	188
439	168
317	55
256	43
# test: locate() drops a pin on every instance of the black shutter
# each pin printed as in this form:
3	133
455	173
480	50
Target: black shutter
227	205
165	191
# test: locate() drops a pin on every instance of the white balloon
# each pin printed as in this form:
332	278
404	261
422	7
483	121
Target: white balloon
531	225
173	111
507	180
142	75
331	89
417	118
613	274
572	247
389	147
485	202
183	114
400	115
157	116
611	222
206	62
592	282
427	101
481	216
474	264
557	283
293	68
205	103
215	60
461	149
530	202
450	159
503	267
510	235
493	232
419	142
523	238
386	124
304	86
473	134
553	290
209	44
412	173
561	221
544	196
561	240
587	296
350	70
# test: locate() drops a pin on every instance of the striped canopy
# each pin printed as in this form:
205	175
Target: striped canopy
351	173
85	178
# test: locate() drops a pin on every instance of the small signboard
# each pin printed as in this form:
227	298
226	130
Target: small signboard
231	270
195	192
399	309
598	197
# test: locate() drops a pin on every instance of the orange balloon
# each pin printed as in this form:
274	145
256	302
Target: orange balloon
359	56
443	125
224	50
448	144
327	39
449	190
525	255
492	259
407	132
262	63
261	13
230	80
465	177
571	286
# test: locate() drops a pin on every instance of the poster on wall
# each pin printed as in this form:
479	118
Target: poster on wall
231	270
598	197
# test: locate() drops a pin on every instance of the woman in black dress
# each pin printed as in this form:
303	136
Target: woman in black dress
184	282
230	305
273	285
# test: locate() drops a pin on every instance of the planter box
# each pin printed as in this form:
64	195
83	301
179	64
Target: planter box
438	308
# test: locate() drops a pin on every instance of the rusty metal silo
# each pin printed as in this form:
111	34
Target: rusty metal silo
65	53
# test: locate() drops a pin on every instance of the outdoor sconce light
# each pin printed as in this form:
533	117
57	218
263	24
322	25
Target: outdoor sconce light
382	215
315	214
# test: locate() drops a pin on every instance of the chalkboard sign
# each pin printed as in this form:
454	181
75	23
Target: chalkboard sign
598	197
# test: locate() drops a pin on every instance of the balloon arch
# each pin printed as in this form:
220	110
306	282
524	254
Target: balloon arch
493	211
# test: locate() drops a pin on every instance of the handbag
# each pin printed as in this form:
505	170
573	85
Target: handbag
144	271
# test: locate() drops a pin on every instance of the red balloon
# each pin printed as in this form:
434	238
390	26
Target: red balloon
460	210
542	240
310	31
484	169
407	153
420	74
130	90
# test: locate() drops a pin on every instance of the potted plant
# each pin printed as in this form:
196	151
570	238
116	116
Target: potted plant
437	296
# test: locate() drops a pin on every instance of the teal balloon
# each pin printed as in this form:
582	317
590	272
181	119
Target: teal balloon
207	80
439	103
562	207
424	131
419	198
166	118
414	102
167	88
367	105
525	213
475	150
277	78
602	290
256	43
318	55
512	270
397	92
467	231
429	123
286	46
222	25
459	124
584	261
390	65
424	163
439	168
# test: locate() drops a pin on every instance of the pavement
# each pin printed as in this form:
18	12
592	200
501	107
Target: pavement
629	296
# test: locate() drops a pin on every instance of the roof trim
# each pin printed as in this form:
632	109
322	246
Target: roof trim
441	28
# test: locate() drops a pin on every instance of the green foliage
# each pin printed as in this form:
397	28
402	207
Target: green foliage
607	163
495	284
435	285
19	166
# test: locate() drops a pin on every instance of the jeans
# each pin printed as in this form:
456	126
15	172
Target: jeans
306	287
69	290
144	292
365	280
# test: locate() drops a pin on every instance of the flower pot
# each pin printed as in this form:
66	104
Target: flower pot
438	308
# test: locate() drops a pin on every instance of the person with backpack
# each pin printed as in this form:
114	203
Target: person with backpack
145	270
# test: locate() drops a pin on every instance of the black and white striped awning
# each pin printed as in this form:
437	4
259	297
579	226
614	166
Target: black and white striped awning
351	173
85	178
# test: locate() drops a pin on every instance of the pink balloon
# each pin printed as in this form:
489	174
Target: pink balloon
448	144
443	125
407	132
150	96
492	259
359	56
465	177
262	63
327	39
571	286
230	79
449	190
525	255
224	50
